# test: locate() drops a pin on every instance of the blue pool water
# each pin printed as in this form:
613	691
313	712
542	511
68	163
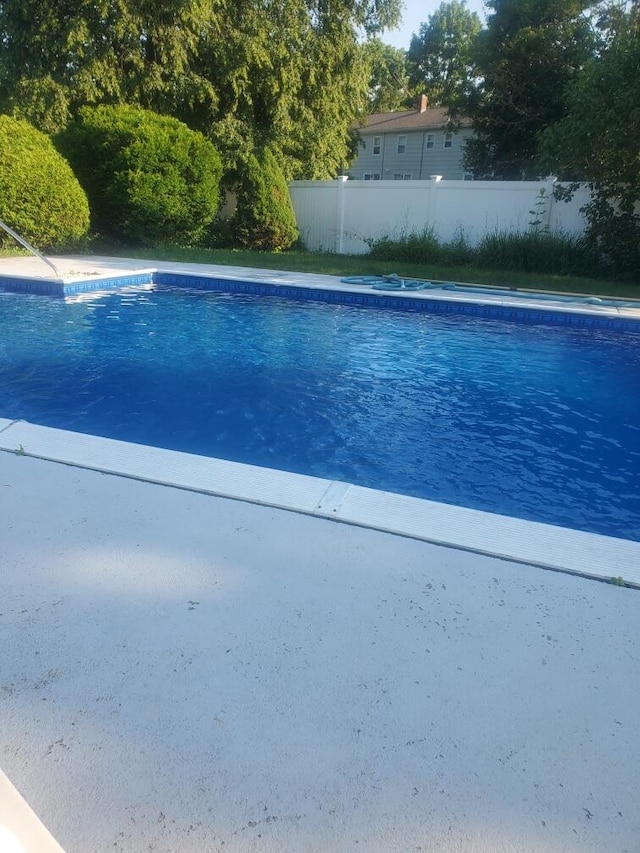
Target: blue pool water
537	422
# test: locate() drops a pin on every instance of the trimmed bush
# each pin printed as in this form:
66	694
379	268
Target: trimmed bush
40	197
265	218
149	178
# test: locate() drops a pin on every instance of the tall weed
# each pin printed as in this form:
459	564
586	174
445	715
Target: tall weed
535	251
458	252
422	248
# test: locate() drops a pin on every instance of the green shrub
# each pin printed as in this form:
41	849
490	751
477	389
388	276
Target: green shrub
40	197
149	178
613	238
264	218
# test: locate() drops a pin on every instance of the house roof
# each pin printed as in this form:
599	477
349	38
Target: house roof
433	118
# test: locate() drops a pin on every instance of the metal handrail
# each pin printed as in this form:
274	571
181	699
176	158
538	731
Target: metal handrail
30	248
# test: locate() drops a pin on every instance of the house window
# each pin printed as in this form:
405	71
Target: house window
402	144
402	176
377	144
372	176
430	141
448	140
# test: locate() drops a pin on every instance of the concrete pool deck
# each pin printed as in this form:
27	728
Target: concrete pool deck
186	672
183	672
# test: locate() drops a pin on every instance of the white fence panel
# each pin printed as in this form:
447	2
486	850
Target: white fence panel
317	208
566	215
476	208
392	211
341	216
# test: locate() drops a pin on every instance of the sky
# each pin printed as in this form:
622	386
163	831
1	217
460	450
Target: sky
417	12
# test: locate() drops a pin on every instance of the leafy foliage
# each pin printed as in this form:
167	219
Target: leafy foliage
148	178
293	79
599	142
440	57
388	78
265	218
287	73
527	56
40	197
95	51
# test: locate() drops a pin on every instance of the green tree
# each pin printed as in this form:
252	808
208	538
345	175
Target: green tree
599	142
527	56
388	76
440	56
58	55
287	73
293	75
265	218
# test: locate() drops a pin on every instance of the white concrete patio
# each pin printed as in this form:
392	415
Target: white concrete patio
183	672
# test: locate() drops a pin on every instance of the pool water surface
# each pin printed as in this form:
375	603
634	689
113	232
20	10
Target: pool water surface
532	421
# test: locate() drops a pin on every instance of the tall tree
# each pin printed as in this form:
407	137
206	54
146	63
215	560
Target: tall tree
529	53
287	73
599	142
58	55
388	77
440	57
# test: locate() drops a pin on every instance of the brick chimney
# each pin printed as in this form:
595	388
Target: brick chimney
422	103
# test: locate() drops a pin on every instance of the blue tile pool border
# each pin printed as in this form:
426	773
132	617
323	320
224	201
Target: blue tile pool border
57	288
486	310
576	316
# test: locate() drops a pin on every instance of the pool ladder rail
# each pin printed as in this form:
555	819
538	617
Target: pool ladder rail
31	249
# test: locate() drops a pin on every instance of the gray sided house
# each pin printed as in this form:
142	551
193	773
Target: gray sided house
410	145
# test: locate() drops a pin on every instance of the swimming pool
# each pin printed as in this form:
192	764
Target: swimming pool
525	420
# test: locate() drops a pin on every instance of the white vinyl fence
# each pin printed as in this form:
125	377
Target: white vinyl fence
341	215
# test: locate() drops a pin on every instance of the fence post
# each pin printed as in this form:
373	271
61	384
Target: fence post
432	210
342	182
551	183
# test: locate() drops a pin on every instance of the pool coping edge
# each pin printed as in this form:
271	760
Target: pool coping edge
545	546
118	273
